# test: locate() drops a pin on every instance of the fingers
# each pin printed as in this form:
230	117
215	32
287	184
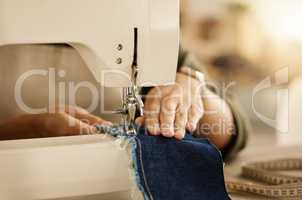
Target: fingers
152	109
67	109
195	113
62	124
171	110
74	109
91	119
167	115
82	115
78	127
180	124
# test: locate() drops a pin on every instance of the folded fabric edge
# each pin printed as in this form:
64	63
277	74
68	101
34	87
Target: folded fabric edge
135	171
129	143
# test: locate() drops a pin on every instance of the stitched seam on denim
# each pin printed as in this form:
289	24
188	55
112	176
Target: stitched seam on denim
137	176
143	171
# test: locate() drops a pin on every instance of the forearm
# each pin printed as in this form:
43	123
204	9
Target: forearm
19	127
217	124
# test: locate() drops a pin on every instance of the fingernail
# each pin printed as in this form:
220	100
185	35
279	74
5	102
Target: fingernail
153	130
180	135
168	133
157	131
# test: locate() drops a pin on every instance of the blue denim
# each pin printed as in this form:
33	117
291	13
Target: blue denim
169	169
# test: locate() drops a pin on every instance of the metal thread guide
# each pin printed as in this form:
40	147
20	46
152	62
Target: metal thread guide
132	101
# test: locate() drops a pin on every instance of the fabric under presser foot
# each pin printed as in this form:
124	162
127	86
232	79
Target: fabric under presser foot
169	169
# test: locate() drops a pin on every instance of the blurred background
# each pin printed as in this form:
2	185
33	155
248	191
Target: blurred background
255	44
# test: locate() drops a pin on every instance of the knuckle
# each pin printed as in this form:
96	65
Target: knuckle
148	102
151	120
150	98
155	90
166	126
169	103
151	92
166	118
152	107
154	94
176	91
181	122
170	99
183	108
181	116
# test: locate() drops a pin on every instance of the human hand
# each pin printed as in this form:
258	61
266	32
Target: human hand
170	110
61	122
69	121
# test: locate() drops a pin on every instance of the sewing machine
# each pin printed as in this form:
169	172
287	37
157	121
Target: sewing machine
125	43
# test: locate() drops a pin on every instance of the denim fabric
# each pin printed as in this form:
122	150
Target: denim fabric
169	169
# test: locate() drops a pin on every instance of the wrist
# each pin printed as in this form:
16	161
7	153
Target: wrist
20	127
197	75
35	123
217	123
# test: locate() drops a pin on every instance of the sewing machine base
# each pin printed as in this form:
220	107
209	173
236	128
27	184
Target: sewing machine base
56	168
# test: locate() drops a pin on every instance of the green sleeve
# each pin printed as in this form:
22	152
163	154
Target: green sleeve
242	127
240	137
184	59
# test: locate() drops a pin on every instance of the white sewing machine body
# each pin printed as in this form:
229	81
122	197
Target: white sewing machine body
96	28
63	167
102	31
